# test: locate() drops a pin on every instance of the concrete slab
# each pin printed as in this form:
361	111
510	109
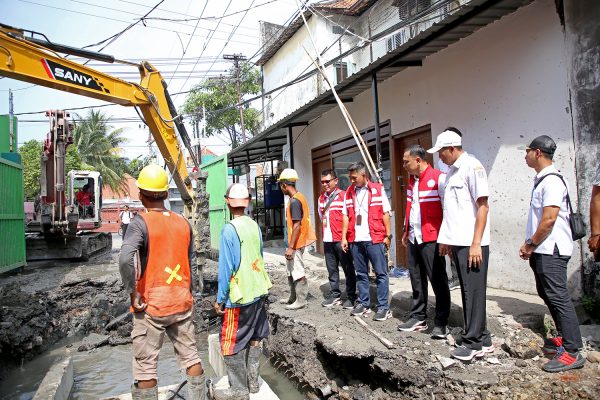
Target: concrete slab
264	393
215	357
57	383
164	393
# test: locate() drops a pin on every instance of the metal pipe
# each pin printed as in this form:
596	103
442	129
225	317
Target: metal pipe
376	118
291	142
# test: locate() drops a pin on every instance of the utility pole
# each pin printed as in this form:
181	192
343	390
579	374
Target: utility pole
236	58
11	128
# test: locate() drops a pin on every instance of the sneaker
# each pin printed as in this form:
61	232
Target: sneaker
413	325
439	332
564	361
464	353
331	301
454	284
485	350
551	345
348	305
360	309
382	315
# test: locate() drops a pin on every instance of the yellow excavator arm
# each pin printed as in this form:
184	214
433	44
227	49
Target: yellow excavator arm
38	61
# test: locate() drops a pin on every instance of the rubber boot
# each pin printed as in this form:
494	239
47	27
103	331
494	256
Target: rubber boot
301	295
292	297
253	366
144	394
196	387
238	379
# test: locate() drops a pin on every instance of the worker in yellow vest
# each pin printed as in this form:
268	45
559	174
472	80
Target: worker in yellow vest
300	234
155	265
241	297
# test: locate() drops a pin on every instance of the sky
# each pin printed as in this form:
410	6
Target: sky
184	51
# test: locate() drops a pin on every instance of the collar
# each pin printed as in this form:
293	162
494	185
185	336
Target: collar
423	173
356	188
460	160
549	169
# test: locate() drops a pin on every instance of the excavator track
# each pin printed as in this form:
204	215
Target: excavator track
81	247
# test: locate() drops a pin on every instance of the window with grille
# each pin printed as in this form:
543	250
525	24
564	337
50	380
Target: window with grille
410	8
341	71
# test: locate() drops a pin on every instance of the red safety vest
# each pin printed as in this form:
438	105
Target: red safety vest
166	282
334	221
375	202
430	203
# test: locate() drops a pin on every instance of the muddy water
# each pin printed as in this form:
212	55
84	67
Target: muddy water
107	371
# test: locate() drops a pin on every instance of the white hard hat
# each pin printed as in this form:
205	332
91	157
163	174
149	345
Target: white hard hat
289	175
238	195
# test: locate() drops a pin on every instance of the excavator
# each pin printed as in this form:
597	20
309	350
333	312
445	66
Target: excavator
31	57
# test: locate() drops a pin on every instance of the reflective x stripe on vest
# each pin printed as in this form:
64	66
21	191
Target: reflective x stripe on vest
250	280
375	202
307	232
166	283
430	203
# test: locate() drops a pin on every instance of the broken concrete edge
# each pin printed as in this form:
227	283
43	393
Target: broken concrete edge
57	383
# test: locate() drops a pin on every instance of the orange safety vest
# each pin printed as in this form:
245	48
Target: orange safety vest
307	232
166	282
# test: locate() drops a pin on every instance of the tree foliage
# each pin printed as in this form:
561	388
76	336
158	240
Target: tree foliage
99	147
219	97
31	152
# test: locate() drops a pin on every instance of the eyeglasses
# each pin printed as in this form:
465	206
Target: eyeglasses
326	181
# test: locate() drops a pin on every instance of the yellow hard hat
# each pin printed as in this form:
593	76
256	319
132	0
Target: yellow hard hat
289	175
153	179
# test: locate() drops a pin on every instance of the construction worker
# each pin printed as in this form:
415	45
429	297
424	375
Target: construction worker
331	205
155	265
423	219
367	227
300	234
241	297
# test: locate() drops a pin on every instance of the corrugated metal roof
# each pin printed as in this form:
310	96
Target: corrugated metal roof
471	17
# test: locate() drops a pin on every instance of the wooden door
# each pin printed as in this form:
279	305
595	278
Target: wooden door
318	167
400	142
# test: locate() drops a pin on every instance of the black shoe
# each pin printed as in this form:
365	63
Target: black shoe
348	305
382	315
464	353
331	301
439	332
413	325
564	361
360	309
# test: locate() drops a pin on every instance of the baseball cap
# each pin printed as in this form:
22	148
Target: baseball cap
543	143
238	195
446	139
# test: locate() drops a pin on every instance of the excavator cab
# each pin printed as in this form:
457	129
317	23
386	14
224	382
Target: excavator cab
84	190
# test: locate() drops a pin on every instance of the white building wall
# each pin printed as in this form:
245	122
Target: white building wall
501	86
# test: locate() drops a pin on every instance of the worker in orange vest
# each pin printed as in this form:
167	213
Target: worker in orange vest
300	234
160	287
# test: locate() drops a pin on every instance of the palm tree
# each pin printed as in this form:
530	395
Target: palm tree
99	149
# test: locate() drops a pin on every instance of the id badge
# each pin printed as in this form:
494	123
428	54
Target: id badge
358	219
325	222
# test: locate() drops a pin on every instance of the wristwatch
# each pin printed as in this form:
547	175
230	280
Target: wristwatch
390	236
530	243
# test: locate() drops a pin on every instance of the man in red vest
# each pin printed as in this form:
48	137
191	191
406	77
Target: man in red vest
331	205
422	222
155	264
367	228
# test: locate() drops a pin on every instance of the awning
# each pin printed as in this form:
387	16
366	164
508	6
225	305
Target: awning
267	145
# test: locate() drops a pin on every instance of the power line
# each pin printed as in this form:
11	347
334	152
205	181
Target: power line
210	18
127	22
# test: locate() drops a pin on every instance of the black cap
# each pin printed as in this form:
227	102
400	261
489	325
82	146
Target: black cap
543	143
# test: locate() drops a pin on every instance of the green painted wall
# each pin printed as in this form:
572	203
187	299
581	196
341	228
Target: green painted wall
12	214
4	136
216	185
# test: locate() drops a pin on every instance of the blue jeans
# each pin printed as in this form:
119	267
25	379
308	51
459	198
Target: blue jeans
363	252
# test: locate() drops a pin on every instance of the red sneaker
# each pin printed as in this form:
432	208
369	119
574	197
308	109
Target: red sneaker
552	345
564	361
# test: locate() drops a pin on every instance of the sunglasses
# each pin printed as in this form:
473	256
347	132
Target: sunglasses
326	182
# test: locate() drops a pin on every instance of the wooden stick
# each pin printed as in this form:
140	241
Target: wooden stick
373	332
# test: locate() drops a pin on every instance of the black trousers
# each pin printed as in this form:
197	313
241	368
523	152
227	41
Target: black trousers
550	273
425	262
334	256
473	286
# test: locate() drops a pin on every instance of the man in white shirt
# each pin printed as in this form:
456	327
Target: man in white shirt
126	215
548	247
366	225
465	236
